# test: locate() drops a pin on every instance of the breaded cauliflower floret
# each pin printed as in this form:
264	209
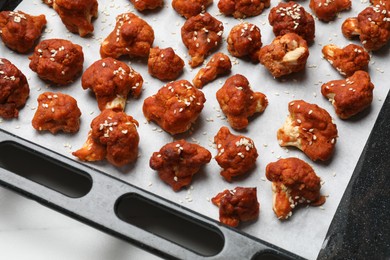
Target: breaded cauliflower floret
20	31
310	129
285	55
238	101
189	8
201	34
77	15
244	40
112	81
219	64
237	205
291	17
175	107
294	183
349	96
372	25
114	137
131	36
242	8
164	64
14	90
57	112
58	61
142	5
237	154
177	162
327	10
346	60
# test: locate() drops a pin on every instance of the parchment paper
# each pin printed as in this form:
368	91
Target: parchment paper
305	231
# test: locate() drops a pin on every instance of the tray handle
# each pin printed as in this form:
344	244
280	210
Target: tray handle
98	205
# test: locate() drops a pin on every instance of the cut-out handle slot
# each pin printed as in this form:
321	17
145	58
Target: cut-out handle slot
119	208
41	169
153	218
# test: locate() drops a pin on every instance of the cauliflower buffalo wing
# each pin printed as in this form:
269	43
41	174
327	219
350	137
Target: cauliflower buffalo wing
57	112
201	34
346	60
327	10
189	8
219	64
237	154
237	205
175	106
14	89
177	162
142	5
77	14
131	36
164	64
372	25
310	129
285	55
20	31
112	81
349	96
238	102
58	61
114	137
291	17
244	40
242	8
294	183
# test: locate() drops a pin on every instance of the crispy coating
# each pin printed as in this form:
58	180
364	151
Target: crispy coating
131	36
58	61
294	183
244	40
242	8
164	64
219	64
20	31
142	5
239	204
291	17
346	60
238	101
237	154
385	3
177	162
201	34
349	96
114	137
372	25
77	15
310	129
14	90
175	106
285	55
112	81
327	10
56	112
189	8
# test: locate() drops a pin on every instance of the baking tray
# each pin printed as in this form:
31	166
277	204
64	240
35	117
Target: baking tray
110	219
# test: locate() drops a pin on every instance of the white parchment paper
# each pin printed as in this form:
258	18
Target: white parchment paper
304	232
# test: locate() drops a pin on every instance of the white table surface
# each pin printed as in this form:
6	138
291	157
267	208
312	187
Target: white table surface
31	231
